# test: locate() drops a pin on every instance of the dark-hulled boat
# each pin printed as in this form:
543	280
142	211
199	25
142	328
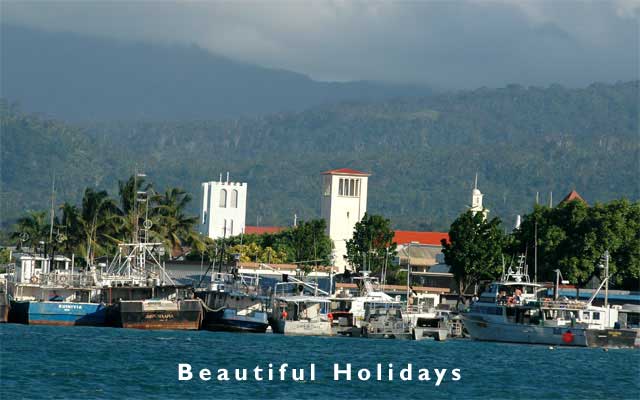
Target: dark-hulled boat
234	303
144	296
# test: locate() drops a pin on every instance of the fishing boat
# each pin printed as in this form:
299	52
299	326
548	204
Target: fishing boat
518	311
143	295
234	302
352	313
305	313
47	291
385	321
423	317
4	304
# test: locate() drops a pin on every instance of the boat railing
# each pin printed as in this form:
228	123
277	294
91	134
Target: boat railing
420	308
562	304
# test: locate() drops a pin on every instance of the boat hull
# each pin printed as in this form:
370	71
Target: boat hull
302	328
612	338
184	315
228	320
494	331
4	307
59	313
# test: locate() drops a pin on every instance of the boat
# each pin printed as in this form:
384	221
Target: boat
423	317
46	291
353	313
516	310
300	314
234	302
143	295
385	321
4	304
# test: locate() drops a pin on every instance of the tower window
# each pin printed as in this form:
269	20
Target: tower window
357	187
223	198
341	187
352	189
234	199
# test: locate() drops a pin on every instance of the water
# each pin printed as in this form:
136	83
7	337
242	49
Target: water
39	362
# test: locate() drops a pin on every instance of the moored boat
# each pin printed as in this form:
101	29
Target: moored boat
234	303
515	310
46	291
301	314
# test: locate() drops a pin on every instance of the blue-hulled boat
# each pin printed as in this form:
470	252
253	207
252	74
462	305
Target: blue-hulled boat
58	313
46	291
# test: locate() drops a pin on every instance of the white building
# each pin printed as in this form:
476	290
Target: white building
224	208
476	200
344	202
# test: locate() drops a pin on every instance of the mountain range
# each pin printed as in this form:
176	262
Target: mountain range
77	77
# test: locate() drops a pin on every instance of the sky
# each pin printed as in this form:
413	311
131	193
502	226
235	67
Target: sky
445	44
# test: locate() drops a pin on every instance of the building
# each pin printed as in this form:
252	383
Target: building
572	196
343	204
476	200
422	251
224	208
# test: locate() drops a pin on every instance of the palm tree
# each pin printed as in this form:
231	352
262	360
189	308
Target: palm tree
32	229
71	226
175	228
97	222
129	213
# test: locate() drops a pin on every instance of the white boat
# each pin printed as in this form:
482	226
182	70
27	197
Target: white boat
423	317
516	310
351	314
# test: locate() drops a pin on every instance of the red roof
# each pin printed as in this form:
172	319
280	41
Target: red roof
432	238
261	230
573	195
345	171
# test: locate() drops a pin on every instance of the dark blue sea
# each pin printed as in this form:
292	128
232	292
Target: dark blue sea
40	362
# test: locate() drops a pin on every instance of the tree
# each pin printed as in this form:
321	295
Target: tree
33	227
97	223
474	250
171	224
372	244
573	237
307	241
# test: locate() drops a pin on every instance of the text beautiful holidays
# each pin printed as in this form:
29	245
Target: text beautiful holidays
339	372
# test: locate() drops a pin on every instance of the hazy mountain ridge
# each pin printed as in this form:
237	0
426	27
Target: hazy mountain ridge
423	153
83	78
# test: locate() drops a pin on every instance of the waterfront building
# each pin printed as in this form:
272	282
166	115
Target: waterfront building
224	208
344	203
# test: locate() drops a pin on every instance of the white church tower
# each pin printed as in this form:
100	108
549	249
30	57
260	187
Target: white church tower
344	202
476	200
224	208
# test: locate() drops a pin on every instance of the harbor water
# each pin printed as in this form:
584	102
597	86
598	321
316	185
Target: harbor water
45	362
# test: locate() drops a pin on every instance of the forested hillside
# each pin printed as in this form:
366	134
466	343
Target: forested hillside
423	154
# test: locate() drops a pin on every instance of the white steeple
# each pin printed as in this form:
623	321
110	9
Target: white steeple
476	199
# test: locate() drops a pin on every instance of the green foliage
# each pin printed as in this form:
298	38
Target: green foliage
306	244
96	227
31	229
423	153
474	251
372	244
573	237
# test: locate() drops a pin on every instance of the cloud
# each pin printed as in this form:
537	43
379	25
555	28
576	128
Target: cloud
447	44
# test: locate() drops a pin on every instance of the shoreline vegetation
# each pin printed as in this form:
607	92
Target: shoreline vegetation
571	237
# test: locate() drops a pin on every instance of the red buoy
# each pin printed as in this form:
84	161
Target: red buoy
330	316
567	337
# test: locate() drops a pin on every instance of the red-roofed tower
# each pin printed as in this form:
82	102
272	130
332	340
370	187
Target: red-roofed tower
344	202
